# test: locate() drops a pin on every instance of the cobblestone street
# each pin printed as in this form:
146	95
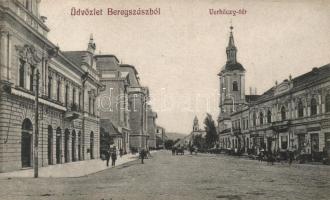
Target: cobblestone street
181	177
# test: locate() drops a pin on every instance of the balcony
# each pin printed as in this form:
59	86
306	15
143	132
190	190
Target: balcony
72	113
281	126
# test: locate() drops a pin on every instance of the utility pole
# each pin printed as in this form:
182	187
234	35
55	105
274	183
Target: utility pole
36	135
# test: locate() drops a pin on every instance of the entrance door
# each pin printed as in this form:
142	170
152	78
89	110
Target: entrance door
66	145
327	143
58	145
79	145
269	144
50	145
92	145
314	145
301	142
26	149
73	146
26	143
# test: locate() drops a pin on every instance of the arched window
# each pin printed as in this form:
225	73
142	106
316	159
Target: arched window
269	116
235	86
313	106
254	119
327	103
261	118
283	113
300	109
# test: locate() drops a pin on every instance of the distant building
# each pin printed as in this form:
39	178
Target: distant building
151	123
160	137
196	131
291	115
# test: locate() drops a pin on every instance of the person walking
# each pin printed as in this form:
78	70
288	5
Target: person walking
142	155
113	158
107	157
121	152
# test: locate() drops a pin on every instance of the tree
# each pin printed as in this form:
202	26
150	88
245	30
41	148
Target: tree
169	144
211	131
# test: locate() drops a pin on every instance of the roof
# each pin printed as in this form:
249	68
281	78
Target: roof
233	66
109	127
75	56
300	82
107	55
251	98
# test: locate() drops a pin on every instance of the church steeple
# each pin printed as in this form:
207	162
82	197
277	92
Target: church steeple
231	49
91	45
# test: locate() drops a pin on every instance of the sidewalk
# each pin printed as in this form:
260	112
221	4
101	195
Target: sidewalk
73	169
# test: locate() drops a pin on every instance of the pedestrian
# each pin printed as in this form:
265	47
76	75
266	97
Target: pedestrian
107	157
121	152
173	151
142	155
113	158
291	157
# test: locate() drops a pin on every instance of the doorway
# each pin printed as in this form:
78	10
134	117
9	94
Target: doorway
26	143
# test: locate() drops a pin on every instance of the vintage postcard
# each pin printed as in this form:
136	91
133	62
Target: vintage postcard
164	100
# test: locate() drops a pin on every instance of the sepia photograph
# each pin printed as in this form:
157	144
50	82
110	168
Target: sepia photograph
164	100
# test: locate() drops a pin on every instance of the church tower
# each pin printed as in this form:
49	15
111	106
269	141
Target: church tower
196	125
232	85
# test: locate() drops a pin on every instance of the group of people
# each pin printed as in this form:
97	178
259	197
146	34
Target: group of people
270	157
112	153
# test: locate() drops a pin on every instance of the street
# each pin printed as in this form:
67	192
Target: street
188	177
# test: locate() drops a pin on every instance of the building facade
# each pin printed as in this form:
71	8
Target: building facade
151	123
113	102
291	115
68	119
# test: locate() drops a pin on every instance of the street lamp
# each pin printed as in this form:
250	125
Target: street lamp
36	118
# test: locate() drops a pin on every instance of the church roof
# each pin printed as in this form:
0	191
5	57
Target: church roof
233	66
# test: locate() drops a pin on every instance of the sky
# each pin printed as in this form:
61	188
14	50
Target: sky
179	53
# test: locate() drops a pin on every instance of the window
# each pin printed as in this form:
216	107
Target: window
300	109
74	96
254	119
93	106
261	118
313	107
31	77
21	73
327	103
283	113
284	142
79	100
89	105
66	95
58	90
269	116
235	86
49	86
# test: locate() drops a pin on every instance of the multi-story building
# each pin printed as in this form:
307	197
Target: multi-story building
291	115
160	137
151	123
68	90
113	103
